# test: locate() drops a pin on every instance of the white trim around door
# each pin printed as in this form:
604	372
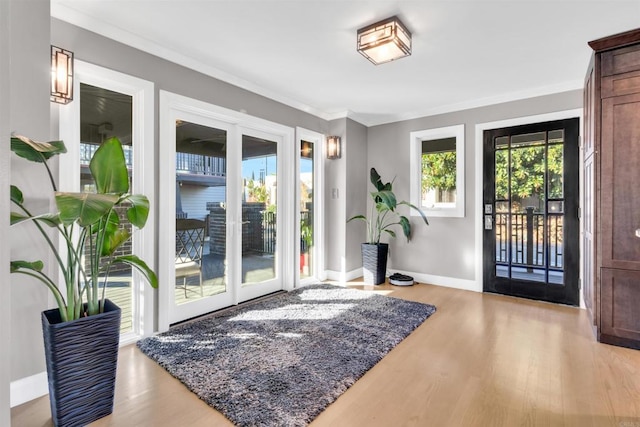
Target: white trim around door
479	141
144	241
177	107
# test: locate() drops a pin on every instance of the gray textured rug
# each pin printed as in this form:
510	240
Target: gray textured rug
281	361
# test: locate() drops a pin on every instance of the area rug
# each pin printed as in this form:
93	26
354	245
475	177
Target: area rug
283	360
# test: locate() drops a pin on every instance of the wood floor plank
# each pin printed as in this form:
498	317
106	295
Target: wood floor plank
480	360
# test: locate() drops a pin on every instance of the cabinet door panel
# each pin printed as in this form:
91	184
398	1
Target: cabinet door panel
620	61
621	84
620	293
620	191
589	278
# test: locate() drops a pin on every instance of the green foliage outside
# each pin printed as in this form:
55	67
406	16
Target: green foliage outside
257	192
439	171
527	172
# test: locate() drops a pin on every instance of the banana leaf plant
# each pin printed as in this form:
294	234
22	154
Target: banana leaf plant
384	214
88	225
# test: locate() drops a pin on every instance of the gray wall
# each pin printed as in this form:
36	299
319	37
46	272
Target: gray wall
93	48
357	175
29	115
5	164
334	214
447	246
349	176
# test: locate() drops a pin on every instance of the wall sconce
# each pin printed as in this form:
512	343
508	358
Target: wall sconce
306	150
333	147
61	75
384	41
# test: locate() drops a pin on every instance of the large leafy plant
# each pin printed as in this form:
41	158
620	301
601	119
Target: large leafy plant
88	225
384	214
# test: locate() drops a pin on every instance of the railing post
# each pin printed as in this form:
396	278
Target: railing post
529	237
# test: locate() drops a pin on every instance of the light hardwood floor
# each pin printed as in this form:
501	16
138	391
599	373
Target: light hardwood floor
480	360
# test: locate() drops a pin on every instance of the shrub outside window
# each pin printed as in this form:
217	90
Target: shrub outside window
437	171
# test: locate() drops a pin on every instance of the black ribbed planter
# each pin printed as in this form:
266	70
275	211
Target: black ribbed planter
81	357
374	263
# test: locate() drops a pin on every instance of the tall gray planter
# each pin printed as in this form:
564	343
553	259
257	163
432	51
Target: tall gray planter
81	357
374	262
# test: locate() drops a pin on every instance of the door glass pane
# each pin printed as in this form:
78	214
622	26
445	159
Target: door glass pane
306	208
105	114
502	174
529	207
259	209
201	196
556	168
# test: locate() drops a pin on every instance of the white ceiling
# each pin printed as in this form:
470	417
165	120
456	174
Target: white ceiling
302	52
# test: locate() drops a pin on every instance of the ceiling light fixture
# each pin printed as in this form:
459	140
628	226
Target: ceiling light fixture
61	75
384	41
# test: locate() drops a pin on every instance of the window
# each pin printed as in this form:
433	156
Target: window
437	171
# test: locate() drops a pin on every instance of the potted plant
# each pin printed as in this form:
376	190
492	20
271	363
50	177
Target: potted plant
382	218
81	336
306	240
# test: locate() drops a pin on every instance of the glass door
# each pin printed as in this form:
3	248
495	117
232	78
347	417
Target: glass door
104	114
260	229
112	104
226	208
531	238
307	209
308	202
199	217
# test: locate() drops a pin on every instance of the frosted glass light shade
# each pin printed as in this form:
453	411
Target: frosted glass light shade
384	41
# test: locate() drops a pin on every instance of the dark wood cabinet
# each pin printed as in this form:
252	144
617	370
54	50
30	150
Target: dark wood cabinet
611	231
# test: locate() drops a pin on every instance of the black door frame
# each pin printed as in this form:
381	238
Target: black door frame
568	293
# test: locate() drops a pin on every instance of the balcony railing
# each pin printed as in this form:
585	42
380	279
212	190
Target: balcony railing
523	234
186	163
198	164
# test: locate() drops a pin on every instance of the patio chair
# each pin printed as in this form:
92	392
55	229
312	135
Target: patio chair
189	247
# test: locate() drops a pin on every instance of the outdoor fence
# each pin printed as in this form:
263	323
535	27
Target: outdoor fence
521	235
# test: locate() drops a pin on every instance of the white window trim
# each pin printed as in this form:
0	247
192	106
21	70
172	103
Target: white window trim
319	146
144	244
415	170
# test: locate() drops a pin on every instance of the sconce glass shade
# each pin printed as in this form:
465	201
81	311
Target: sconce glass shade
306	150
61	75
384	41
333	147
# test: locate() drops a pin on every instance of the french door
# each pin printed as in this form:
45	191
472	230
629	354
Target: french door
530	211
226	208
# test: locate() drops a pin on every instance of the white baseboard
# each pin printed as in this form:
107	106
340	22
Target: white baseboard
29	388
338	276
449	282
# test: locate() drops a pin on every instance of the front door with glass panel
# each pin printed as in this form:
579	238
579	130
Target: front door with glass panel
530	211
